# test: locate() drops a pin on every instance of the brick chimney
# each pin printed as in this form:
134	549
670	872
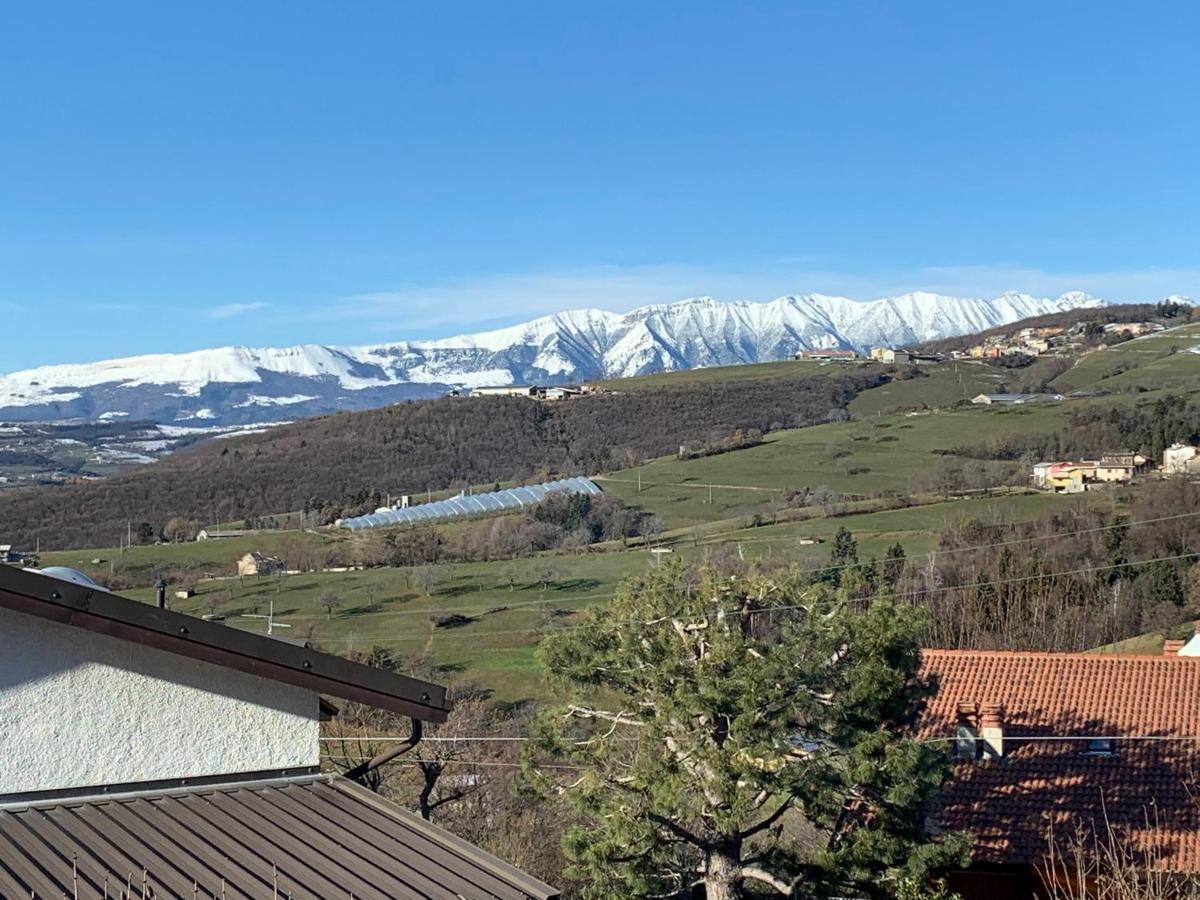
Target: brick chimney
991	730
1172	648
966	731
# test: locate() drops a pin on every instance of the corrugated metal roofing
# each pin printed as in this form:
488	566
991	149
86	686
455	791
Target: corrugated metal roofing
307	838
458	507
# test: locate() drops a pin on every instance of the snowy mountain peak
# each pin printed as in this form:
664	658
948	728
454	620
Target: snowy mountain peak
230	384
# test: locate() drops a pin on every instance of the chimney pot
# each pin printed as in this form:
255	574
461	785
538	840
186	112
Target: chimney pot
991	728
966	731
1172	648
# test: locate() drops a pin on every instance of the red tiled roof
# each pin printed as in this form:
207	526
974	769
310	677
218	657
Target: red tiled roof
1144	792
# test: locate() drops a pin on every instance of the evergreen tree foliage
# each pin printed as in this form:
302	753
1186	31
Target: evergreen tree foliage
1166	584
711	715
894	562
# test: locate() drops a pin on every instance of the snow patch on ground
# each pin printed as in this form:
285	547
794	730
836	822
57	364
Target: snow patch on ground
254	400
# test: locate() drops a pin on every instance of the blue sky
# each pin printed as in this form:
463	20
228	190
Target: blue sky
175	176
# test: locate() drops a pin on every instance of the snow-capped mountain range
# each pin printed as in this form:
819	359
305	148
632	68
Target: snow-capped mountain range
232	385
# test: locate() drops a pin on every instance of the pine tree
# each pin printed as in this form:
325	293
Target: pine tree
1165	583
705	714
894	563
843	557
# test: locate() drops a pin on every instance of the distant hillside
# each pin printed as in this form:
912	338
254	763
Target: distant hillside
350	458
1132	312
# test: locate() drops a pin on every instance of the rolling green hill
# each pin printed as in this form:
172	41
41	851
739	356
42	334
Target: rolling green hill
876	474
1167	359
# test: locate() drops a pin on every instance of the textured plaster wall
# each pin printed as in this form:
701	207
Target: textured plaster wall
79	709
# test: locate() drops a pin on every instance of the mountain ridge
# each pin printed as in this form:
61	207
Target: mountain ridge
238	384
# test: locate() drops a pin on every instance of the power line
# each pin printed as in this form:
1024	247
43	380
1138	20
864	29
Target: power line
484	763
473	739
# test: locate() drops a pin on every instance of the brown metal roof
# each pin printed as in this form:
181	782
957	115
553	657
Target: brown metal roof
308	838
98	610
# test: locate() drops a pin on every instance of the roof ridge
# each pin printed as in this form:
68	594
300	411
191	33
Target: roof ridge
96	609
168	787
1054	654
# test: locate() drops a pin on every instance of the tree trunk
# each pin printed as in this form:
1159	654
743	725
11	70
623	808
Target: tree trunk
431	773
722	876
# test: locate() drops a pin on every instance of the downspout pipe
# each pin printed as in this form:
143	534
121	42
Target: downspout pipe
361	771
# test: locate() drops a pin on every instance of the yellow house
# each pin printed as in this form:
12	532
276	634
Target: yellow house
1068	478
1113	473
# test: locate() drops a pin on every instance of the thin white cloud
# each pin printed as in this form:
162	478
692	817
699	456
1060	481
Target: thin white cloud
464	304
231	310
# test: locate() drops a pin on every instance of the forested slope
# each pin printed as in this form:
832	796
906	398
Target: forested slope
349	459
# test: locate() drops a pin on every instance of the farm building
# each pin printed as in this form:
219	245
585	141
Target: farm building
255	563
1014	399
504	390
558	393
214	534
833	354
1120	468
472	505
149	776
904	357
1074	477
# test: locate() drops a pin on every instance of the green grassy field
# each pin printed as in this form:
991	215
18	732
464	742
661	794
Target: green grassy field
915	528
138	564
504	608
861	457
480	622
1156	361
940	385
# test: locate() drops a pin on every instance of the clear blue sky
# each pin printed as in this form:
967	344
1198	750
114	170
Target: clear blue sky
175	176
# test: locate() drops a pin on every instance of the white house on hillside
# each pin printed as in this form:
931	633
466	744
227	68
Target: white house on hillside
1181	459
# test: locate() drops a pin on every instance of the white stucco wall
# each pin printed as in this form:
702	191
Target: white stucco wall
79	709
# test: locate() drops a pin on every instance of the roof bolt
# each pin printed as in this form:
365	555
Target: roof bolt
183	630
308	664
425	697
55	596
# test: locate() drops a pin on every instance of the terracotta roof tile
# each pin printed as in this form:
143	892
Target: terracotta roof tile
1144	791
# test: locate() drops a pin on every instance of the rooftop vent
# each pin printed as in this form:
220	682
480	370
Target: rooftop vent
1101	746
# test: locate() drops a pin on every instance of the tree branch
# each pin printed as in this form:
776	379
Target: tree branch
769	820
757	874
680	831
582	712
